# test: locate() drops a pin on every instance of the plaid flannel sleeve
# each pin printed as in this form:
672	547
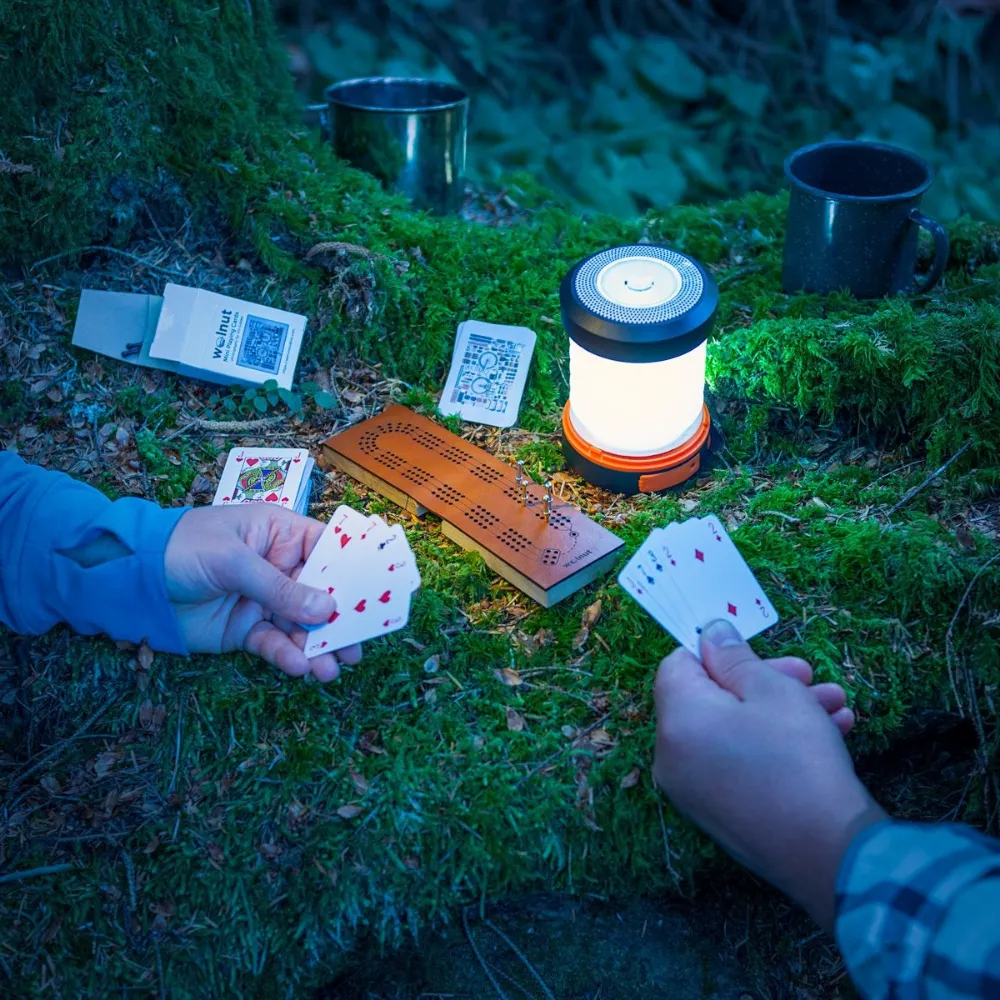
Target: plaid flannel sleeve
918	912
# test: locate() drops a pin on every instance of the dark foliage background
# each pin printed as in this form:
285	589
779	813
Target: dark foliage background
628	104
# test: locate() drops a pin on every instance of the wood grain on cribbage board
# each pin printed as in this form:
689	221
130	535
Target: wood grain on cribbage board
423	467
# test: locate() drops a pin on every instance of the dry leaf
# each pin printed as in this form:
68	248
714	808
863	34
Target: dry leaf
515	721
601	735
349	811
105	761
145	656
631	779
591	615
508	676
430	696
545	637
51	785
153	845
359	781
965	538
569	732
478	742
214	851
367	743
159	714
146	714
581	637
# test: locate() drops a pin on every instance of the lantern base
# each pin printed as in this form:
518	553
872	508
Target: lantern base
632	474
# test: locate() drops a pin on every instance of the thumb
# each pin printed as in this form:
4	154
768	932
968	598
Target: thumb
256	578
680	675
731	663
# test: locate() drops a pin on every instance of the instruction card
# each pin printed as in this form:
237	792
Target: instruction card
193	332
489	369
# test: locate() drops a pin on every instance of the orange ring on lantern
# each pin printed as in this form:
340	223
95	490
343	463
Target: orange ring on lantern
655	472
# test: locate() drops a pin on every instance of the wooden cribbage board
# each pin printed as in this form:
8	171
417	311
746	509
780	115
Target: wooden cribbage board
423	467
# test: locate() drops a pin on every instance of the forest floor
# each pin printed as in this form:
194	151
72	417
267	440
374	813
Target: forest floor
207	826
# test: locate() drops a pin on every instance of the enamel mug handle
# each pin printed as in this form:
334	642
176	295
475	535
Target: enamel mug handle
940	237
324	118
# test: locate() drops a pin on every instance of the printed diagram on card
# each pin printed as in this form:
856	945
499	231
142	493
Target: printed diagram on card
489	369
487	372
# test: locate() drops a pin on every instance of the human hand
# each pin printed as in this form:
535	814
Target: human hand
231	579
756	758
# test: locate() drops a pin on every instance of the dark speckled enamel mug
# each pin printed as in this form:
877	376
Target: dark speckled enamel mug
854	218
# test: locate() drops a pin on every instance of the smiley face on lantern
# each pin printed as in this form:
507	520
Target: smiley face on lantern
638	318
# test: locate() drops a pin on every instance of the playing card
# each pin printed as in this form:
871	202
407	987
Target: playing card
690	573
368	567
264	475
717	581
489	369
647	580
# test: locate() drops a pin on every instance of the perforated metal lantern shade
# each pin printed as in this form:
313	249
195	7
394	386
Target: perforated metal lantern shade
638	317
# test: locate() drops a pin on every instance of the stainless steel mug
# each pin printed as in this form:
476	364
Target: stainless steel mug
408	132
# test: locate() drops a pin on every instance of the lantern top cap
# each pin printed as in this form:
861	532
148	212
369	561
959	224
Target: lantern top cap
638	302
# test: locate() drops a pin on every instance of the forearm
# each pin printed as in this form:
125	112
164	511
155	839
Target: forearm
68	554
918	912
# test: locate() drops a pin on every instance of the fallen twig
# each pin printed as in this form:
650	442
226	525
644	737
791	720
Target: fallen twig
910	494
479	956
666	843
58	748
34	872
977	717
517	951
225	426
6	167
548	760
135	258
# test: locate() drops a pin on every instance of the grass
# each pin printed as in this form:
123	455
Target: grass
234	832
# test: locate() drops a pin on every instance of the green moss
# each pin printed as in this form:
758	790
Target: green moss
458	807
173	474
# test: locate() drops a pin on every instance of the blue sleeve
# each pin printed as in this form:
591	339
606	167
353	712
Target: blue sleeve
917	912
44	515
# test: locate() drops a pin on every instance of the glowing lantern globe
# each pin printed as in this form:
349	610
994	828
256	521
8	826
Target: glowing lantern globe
637	318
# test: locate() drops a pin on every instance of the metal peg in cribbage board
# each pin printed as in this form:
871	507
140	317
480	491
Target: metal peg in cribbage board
545	547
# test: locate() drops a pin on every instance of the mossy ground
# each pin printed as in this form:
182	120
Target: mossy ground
210	846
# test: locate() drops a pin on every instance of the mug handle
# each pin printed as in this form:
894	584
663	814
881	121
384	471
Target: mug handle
324	120
940	237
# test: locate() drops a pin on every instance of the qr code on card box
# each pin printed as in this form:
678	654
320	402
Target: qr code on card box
263	344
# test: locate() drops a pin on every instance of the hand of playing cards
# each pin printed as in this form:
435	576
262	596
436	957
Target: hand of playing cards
369	569
279	476
690	573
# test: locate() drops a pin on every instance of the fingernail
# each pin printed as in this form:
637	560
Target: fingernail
318	604
721	633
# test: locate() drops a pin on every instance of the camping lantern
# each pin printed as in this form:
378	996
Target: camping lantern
638	318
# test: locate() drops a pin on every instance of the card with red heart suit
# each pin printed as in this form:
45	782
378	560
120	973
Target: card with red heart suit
369	569
279	476
690	573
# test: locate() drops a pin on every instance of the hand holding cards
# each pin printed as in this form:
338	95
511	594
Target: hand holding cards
278	476
690	573
368	568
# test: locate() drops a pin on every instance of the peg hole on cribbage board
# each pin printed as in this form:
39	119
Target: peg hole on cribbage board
424	467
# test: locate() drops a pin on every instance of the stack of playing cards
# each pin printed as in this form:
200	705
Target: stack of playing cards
489	368
369	569
266	475
690	573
